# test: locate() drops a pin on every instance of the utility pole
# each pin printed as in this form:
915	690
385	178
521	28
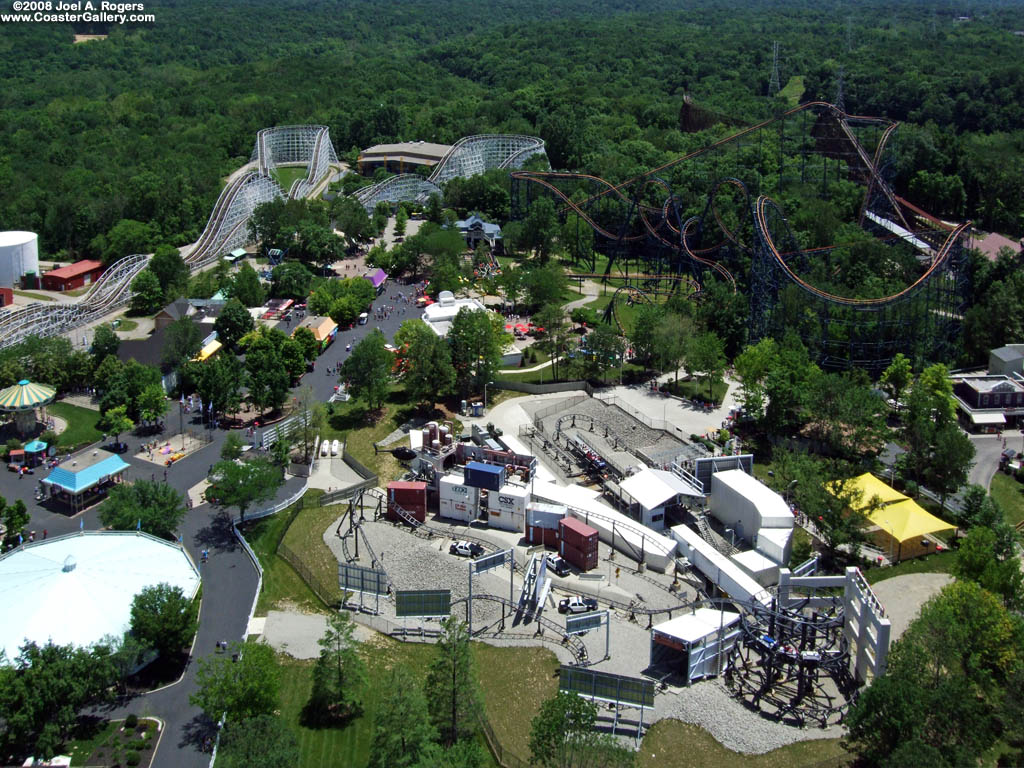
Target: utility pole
840	101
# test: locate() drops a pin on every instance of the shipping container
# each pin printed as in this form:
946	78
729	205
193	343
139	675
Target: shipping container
410	496
506	508
546	536
584	561
488	476
544	515
456	509
577	534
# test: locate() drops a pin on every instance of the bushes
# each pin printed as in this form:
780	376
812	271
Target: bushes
131	721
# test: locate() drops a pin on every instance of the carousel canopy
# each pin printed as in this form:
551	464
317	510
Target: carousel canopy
25	395
36	446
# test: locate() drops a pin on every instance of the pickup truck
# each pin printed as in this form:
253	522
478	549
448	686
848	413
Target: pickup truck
577	604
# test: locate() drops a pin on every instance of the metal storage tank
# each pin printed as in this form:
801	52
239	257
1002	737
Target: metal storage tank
19	254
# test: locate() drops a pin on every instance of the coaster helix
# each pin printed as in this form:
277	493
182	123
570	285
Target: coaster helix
715	214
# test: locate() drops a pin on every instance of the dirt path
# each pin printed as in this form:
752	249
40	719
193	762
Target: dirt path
903	596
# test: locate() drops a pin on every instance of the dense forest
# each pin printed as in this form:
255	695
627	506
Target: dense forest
143	126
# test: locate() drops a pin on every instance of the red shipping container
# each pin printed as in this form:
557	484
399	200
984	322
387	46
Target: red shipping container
418	513
581	560
546	536
410	496
577	534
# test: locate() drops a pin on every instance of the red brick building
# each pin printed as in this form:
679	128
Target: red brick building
73	276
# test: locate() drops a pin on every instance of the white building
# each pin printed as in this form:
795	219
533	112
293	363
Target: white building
753	511
439	316
77	589
650	491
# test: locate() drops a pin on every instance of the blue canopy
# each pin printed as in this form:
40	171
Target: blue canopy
36	446
78	480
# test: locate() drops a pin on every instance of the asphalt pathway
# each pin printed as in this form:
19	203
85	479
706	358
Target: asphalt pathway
229	578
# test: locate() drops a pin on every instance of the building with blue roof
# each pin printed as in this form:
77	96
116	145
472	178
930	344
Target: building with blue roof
474	229
85	479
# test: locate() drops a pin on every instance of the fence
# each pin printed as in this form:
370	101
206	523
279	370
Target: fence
330	595
357	465
505	758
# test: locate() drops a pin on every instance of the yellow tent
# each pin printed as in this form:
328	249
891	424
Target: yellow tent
870	487
905	520
208	351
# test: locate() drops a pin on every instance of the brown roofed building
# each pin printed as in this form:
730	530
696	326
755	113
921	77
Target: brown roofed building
404	157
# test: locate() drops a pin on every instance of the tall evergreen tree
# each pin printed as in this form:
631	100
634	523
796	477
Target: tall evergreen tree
451	688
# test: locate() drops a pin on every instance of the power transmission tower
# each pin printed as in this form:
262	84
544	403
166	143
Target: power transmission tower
840	101
773	84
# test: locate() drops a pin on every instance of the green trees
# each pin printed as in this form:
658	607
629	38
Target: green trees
233	322
476	340
605	349
262	741
451	688
268	377
232	447
218	383
705	356
555	340
243	484
149	295
403	729
246	287
544	285
152	506
152	404
291	280
42	694
983	559
339	677
183	340
897	378
115	421
162	619
367	370
429	374
540	227
941	700
563	735
240	689
15	517
104	342
170	270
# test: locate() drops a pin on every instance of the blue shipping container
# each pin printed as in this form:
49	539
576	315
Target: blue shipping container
488	476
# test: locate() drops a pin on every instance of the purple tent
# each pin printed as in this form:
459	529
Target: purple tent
377	278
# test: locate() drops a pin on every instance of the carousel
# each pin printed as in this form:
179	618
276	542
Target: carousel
22	400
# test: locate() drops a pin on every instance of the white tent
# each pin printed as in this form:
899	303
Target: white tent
78	588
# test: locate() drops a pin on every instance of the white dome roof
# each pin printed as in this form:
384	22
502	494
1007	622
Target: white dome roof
76	589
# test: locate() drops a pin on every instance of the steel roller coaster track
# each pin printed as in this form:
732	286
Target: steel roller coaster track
227	226
642	220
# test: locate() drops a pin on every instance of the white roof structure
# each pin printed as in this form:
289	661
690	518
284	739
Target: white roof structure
694	627
440	314
771	507
719	569
651	488
78	588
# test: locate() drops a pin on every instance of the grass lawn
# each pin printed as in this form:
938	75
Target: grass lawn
35	296
699	389
126	324
1009	494
282	586
794	90
81	424
938	563
305	537
349	747
669	740
286	176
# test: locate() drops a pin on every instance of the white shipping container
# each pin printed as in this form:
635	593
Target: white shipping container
458	510
451	487
506	509
775	544
544	515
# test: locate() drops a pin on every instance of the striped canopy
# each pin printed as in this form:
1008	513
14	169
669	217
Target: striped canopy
25	395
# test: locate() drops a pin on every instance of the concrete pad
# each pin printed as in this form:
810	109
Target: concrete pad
903	596
298	634
256	625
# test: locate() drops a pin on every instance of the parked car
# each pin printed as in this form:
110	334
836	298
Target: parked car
325	447
557	564
335	447
465	549
577	604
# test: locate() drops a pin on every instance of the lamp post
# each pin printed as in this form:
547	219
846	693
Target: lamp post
486	384
181	423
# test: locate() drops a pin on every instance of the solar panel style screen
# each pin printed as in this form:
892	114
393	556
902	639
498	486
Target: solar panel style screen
575	625
615	689
423	602
490	562
358	578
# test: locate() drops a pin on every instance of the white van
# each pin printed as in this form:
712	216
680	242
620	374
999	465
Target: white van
364	319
